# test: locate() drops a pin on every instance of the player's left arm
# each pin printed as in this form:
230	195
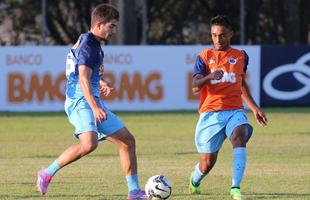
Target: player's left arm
247	97
257	111
105	87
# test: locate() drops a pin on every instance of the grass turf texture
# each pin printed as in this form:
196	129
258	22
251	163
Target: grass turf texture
278	157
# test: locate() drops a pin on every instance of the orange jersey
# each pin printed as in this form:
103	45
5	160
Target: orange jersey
223	94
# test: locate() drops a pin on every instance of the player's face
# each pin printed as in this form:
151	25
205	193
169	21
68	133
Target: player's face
221	37
107	30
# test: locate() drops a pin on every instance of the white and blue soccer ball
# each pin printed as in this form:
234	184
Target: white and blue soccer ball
158	187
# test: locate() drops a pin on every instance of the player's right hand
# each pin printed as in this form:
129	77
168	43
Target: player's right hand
99	114
216	75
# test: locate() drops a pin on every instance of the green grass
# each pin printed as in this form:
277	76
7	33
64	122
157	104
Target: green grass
278	157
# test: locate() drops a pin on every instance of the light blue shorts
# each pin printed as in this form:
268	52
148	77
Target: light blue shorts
82	118
213	128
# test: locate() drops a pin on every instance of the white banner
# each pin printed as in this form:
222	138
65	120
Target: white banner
144	77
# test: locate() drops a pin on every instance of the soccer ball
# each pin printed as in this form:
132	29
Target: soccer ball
158	187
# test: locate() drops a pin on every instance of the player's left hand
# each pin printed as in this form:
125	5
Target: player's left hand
105	88
260	117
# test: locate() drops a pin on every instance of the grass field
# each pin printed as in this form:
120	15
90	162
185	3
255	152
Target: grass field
278	157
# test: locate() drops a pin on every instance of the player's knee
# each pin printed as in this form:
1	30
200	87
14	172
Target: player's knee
129	142
238	140
239	136
89	147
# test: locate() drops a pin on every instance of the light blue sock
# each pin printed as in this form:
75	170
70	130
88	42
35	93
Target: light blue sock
133	184
197	176
239	162
52	169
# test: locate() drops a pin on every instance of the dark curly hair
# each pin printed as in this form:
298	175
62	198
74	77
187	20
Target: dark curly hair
221	20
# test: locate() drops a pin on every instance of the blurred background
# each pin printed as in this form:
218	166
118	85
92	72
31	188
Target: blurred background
59	22
150	60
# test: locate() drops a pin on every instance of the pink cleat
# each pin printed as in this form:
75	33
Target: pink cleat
138	196
43	180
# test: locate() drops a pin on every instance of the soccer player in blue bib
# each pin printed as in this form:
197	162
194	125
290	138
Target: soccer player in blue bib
92	120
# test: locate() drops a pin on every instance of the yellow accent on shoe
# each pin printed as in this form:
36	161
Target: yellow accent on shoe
191	188
235	194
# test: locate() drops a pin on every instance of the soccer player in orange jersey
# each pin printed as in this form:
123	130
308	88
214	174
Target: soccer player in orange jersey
219	77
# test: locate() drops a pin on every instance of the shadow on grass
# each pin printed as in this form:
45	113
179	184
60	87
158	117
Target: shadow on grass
247	196
201	196
279	196
104	155
174	196
66	196
186	153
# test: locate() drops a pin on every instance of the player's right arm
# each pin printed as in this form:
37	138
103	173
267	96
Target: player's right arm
84	80
200	76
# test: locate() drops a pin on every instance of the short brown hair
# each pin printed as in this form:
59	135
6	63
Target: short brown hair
104	13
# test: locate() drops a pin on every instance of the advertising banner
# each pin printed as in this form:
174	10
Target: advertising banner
285	76
32	78
143	77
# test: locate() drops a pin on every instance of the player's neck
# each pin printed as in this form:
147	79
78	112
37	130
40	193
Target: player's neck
224	49
96	36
